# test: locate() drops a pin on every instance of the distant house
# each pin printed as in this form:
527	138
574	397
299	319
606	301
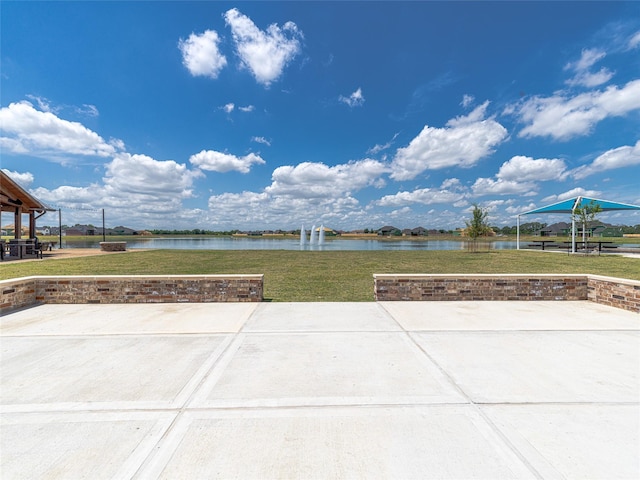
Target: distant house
80	230
556	229
612	232
120	230
596	230
389	230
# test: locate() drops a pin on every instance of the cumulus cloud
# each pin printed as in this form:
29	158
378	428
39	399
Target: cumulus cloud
514	210
584	77
519	176
525	169
135	188
24	179
264	53
25	130
634	41
228	108
423	196
356	99
620	157
451	184
201	55
562	118
250	210
247	109
499	186
143	175
462	143
306	193
313	180
224	162
575	192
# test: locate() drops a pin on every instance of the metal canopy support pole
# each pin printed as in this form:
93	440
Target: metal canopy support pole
573	223
104	239
518	232
60	226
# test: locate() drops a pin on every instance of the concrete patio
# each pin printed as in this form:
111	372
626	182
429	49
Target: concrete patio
445	390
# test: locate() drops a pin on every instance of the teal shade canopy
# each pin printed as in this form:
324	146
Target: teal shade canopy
568	206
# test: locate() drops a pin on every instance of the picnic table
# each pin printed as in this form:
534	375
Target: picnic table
541	243
22	248
589	244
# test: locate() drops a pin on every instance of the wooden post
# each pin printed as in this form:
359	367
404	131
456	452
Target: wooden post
32	224
17	223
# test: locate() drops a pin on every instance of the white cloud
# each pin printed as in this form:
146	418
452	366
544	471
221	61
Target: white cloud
583	77
587	60
262	140
527	169
514	210
88	110
634	41
563	117
519	176
251	210
201	56
575	192
228	108
314	180
247	109
24	179
26	130
264	53
136	189
306	193
356	99
463	142
467	100
620	157
423	196
379	148
591	79
451	184
224	162
499	186
143	175
44	104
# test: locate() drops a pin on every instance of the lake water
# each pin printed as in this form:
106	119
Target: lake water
264	243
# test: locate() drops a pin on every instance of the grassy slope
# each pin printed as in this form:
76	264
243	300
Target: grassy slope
325	276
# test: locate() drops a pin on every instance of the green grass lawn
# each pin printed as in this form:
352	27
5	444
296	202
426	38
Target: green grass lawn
303	276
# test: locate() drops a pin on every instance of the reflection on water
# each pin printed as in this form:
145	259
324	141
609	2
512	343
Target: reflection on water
293	243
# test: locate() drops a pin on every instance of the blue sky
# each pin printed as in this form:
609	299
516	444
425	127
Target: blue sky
266	115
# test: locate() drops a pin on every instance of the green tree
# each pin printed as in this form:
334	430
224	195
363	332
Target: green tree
478	225
585	215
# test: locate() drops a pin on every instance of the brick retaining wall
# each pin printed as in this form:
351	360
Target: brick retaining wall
620	293
25	292
615	292
18	293
28	291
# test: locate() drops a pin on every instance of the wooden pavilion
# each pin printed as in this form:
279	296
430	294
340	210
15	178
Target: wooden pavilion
20	203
